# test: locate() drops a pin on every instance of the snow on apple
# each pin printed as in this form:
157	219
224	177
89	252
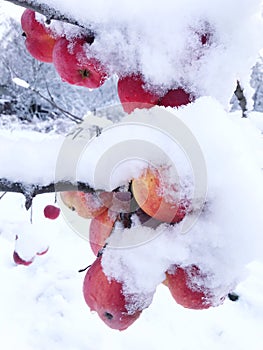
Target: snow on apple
222	240
28	243
197	243
73	65
106	296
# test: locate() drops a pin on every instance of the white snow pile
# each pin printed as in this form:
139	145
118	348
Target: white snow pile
28	156
164	41
228	233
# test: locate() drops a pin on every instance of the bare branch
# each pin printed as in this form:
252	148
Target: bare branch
55	105
239	92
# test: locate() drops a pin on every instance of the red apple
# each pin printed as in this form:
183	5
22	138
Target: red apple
19	261
43	252
149	191
87	205
100	229
106	297
188	287
51	212
175	98
74	66
133	93
40	40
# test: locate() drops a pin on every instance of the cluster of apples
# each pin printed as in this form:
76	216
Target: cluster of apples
134	93
76	64
106	295
71	57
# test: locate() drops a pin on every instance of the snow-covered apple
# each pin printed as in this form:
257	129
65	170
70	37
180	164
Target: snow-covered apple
87	205
20	261
40	40
175	98
106	297
51	212
76	65
151	191
134	93
100	229
188	287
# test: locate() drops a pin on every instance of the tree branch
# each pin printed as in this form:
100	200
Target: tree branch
31	190
49	12
239	92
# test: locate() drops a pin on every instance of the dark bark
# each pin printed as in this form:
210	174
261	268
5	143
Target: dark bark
51	13
31	190
239	92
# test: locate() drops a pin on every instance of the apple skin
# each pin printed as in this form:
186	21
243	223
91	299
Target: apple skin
19	261
73	65
87	205
132	93
41	49
40	40
105	296
146	191
100	229
43	252
181	286
175	98
51	212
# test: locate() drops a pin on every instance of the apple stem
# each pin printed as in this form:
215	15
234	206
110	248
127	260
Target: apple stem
100	252
85	268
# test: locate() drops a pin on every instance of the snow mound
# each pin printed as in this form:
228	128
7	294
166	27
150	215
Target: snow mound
226	236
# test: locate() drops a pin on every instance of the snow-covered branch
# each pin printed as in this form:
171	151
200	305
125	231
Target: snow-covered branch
49	12
32	190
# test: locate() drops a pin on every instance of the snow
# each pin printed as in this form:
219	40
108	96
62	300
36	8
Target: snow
33	156
219	160
42	304
21	82
174	55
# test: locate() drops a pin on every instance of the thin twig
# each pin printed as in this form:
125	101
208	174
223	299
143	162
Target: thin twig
3	195
67	114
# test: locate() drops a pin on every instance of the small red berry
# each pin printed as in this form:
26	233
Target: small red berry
51	212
